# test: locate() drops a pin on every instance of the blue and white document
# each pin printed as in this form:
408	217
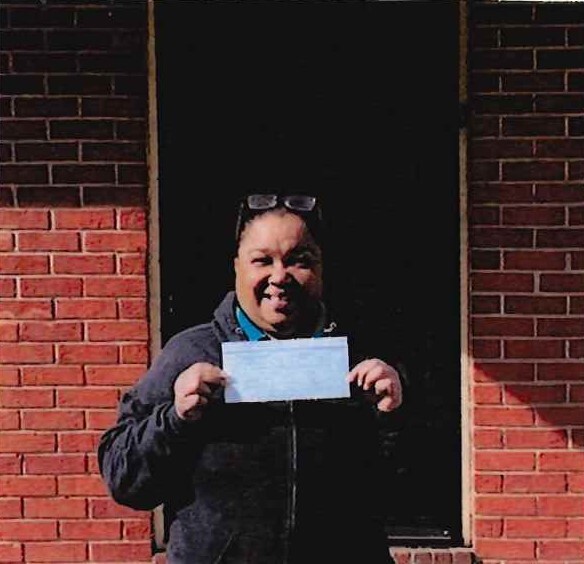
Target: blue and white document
291	369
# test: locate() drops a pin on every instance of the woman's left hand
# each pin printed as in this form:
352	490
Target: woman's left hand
379	377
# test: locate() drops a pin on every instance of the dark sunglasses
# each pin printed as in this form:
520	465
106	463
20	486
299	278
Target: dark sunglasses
254	204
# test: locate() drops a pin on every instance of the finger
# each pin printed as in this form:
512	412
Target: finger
357	374
375	373
383	386
387	403
202	389
192	406
215	376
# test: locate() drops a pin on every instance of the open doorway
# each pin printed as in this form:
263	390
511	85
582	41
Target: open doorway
356	102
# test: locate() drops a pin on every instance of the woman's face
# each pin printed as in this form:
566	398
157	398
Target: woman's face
278	274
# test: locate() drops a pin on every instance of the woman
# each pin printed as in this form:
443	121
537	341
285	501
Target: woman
274	482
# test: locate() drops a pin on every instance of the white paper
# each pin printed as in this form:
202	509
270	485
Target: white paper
291	369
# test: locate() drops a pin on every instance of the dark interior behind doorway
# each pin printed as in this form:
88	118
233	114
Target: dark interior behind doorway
356	102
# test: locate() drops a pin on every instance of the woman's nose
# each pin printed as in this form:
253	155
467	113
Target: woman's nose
279	273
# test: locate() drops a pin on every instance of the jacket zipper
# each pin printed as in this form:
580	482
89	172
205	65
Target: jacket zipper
291	481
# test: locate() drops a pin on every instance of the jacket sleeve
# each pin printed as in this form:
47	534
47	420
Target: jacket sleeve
150	452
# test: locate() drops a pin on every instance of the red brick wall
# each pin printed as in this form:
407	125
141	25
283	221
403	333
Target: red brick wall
72	271
73	326
527	275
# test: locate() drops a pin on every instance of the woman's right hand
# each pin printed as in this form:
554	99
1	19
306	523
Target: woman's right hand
193	387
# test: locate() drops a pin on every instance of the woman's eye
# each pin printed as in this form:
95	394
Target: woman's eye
261	260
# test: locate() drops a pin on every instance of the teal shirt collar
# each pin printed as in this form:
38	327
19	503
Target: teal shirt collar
254	333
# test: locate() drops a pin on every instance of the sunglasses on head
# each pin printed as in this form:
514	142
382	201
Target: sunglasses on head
254	204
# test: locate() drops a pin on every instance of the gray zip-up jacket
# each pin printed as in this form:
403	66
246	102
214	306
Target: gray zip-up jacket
270	483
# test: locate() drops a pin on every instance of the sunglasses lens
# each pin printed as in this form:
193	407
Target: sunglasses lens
300	202
262	201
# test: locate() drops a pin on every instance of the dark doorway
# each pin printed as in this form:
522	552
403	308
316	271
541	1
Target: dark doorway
356	102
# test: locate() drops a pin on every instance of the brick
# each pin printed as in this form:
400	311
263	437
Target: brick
497	237
562	327
108	509
566	549
505	505
502	282
84	219
122	551
8	376
78	84
535	305
116	286
576	305
10	464
57	507
87	353
536	348
485	304
18	129
8	331
534	394
81	129
55	552
533	170
115	241
502	326
502	548
504	461
10	509
87	397
53	464
484	348
26	353
51	286
85	308
564	371
81	485
24	264
114	196
562	282
25	309
535	528
113	151
530	215
48	17
22	84
560	148
500	148
46	152
45	106
50	331
28	530
133	309
132	264
52	420
576	170
576	215
502	104
534	483
503	416
132	219
529	126
576	126
560	416
83	174
120	375
487	394
78	441
9	419
559	103
52	375
488	527
50	196
561	461
484	170
137	529
44	62
487	438
22	40
50	241
576	393
90	530
560	58
534	260
26	397
101	419
515	438
83	264
27	442
7	288
6	241
109	107
117	331
576	483
484	126
130	129
10	552
30	486
134	353
533	82
557	238
533	36
576	529
557	193
560	505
